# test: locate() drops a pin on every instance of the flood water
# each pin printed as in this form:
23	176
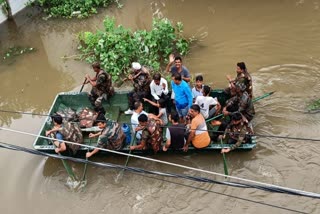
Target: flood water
278	40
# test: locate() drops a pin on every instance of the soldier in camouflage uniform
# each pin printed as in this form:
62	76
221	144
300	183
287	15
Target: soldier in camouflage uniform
243	76
151	134
241	103
141	80
65	131
110	137
101	87
237	132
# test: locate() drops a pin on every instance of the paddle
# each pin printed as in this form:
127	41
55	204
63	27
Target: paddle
254	100
225	166
84	82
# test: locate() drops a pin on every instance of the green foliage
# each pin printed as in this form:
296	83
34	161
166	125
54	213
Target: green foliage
314	106
116	47
16	51
72	8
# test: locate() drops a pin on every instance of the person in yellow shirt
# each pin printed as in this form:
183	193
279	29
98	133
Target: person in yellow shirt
199	135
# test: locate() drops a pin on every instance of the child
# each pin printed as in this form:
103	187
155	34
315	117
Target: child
197	89
162	111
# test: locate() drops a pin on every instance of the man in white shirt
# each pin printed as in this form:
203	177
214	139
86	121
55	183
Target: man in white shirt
206	101
159	89
138	110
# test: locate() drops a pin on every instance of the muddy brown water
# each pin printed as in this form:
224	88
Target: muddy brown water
278	40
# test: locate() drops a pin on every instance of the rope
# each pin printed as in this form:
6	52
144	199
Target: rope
253	183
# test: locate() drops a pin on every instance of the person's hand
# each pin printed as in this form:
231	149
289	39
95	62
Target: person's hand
88	154
171	58
225	112
229	77
185	148
130	77
145	99
91	135
221	137
132	147
163	86
57	150
165	148
225	150
47	133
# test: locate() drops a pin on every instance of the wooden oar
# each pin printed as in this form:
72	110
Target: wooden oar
84	82
225	166
254	100
127	161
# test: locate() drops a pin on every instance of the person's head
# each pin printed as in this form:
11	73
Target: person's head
157	78
136	66
101	121
178	61
206	90
194	110
240	87
96	67
143	120
199	81
241	67
138	106
162	103
175	117
236	117
177	78
57	119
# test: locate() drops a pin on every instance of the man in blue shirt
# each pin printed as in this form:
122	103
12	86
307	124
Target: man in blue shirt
183	95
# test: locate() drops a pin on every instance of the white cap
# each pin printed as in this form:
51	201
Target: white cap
136	66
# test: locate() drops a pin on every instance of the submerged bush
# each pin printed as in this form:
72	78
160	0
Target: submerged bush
72	8
116	47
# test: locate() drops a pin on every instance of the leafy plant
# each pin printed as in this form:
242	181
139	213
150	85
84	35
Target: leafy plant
72	8
116	47
314	106
16	51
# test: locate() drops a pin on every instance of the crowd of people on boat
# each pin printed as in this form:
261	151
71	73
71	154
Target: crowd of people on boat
185	108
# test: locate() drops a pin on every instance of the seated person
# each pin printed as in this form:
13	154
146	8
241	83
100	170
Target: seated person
205	102
141	85
65	132
199	135
110	137
175	134
162	116
151	134
197	89
236	132
138	110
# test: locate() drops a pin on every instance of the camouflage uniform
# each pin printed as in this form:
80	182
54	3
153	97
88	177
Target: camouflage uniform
243	104
237	134
152	135
112	136
245	78
71	132
102	90
141	87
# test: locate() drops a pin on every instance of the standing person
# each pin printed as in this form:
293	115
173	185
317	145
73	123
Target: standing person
65	131
159	89
197	89
141	85
162	116
101	87
151	134
110	137
175	134
243	76
178	67
236	132
241	103
199	136
138	110
205	102
183	96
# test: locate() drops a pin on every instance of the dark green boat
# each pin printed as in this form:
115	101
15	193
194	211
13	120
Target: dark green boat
115	108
